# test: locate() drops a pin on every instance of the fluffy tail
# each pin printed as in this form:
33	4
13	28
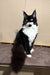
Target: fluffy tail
18	58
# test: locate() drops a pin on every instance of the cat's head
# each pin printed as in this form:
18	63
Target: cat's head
30	20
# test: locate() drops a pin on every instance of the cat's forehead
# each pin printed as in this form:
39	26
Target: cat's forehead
29	16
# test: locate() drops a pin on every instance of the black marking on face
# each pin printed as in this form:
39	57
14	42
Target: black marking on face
30	18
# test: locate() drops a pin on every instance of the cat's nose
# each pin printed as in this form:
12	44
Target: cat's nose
29	25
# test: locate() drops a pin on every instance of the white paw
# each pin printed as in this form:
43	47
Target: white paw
32	50
29	55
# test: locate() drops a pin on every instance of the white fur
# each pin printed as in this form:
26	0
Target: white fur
29	55
32	50
31	32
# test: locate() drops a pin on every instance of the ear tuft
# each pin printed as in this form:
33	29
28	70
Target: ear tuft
25	15
34	14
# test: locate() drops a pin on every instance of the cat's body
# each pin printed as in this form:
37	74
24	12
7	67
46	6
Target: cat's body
30	29
23	44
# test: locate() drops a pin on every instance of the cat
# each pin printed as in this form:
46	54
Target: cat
30	30
23	43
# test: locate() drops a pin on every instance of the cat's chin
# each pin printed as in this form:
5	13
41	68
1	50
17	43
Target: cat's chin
29	55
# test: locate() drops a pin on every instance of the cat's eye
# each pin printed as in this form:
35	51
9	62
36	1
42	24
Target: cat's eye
26	19
31	19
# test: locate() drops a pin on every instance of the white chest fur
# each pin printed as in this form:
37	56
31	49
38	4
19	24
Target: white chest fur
31	32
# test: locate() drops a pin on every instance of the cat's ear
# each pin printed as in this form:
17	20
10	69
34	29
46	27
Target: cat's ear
34	14
25	15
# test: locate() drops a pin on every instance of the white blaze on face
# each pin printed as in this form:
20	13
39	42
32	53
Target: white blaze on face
27	25
31	23
31	32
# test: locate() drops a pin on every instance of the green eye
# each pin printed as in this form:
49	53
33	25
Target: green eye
32	19
26	19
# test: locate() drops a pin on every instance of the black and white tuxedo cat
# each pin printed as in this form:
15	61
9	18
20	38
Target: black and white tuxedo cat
23	44
30	30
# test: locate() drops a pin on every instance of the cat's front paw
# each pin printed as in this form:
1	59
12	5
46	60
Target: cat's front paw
29	55
32	50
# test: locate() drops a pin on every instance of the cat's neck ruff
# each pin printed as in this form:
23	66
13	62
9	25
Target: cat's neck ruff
31	32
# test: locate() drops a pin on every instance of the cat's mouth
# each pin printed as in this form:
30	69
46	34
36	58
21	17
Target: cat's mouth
27	26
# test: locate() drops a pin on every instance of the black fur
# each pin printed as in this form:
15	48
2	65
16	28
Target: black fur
18	55
25	42
29	17
21	44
